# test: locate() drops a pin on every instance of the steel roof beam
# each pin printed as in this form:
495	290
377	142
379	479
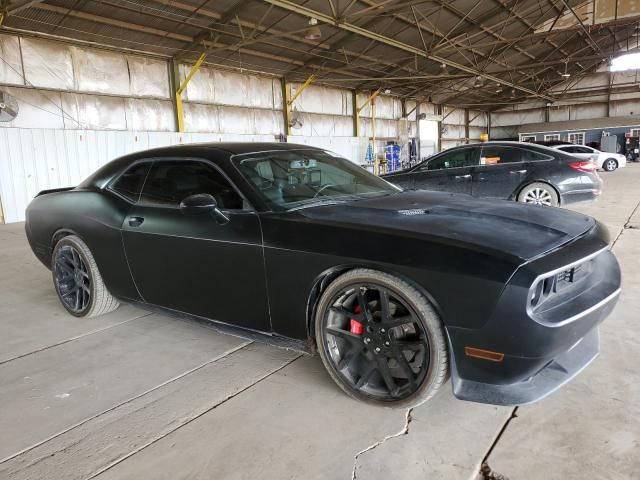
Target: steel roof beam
304	11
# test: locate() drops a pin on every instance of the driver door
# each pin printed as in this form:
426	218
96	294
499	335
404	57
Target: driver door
449	171
193	263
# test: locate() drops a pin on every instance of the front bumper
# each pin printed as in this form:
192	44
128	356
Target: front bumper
536	341
554	375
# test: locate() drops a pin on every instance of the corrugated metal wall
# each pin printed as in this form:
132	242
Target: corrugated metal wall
32	159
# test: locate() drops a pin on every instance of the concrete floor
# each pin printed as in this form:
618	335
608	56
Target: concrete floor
140	395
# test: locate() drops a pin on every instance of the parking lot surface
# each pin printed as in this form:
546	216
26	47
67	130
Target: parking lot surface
135	394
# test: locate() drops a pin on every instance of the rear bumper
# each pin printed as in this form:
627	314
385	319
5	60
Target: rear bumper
537	341
583	188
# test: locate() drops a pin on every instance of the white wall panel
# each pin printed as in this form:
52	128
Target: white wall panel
201	118
11	64
353	148
330	101
147	114
36	107
94	111
47	64
100	72
148	77
38	159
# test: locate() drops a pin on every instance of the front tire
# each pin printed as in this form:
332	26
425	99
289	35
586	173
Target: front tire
380	339
77	280
610	164
539	193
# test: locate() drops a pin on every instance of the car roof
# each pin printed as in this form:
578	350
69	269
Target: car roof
505	143
189	150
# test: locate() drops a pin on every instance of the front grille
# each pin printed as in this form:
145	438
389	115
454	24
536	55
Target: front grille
546	287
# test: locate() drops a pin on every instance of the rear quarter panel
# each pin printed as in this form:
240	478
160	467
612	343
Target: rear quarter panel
94	216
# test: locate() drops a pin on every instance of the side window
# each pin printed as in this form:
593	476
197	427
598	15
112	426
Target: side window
170	182
466	157
533	156
500	155
129	184
581	150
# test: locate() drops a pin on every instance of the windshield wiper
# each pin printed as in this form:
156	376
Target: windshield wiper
318	203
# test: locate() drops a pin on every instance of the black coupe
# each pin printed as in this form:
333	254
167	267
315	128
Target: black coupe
396	290
506	170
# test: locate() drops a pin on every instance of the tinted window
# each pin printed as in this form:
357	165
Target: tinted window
534	156
499	155
568	149
129	184
582	150
170	182
466	157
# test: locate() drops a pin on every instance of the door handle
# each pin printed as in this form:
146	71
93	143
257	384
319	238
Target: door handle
463	176
135	221
517	172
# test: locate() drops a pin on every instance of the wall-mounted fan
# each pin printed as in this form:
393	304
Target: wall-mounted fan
296	123
8	107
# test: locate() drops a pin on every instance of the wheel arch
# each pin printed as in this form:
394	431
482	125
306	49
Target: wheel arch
529	182
60	234
323	280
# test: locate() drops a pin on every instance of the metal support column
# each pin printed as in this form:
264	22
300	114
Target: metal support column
439	113
354	109
288	99
183	85
466	125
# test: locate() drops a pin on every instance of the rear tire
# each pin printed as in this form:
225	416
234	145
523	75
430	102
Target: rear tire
77	280
399	357
610	164
539	193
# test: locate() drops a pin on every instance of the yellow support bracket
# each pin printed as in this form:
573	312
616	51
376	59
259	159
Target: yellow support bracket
1	18
289	100
183	85
362	107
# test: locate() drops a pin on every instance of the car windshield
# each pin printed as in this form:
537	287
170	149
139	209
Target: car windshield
299	178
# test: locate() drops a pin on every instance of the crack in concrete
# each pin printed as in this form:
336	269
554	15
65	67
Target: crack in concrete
485	470
404	431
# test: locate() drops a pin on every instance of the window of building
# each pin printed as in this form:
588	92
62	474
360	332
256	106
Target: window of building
577	138
527	138
170	182
635	132
552	137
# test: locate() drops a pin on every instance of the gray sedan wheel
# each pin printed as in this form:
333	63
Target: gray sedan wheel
610	164
539	194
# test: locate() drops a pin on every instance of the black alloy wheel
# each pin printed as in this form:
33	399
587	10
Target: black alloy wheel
376	342
72	279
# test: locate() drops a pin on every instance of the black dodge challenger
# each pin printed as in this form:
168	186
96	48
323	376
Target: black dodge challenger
396	290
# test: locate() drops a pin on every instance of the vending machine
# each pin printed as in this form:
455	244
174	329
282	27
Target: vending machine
631	148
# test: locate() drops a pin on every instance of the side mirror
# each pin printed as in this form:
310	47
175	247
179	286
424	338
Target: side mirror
202	203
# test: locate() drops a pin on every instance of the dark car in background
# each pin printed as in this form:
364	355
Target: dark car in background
517	171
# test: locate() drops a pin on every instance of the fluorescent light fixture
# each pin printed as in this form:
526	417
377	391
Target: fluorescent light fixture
628	61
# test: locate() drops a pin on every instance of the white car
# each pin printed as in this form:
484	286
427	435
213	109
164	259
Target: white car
605	160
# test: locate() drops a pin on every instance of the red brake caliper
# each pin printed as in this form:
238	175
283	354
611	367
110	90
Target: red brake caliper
356	326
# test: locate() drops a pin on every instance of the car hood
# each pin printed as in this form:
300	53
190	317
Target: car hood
499	226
